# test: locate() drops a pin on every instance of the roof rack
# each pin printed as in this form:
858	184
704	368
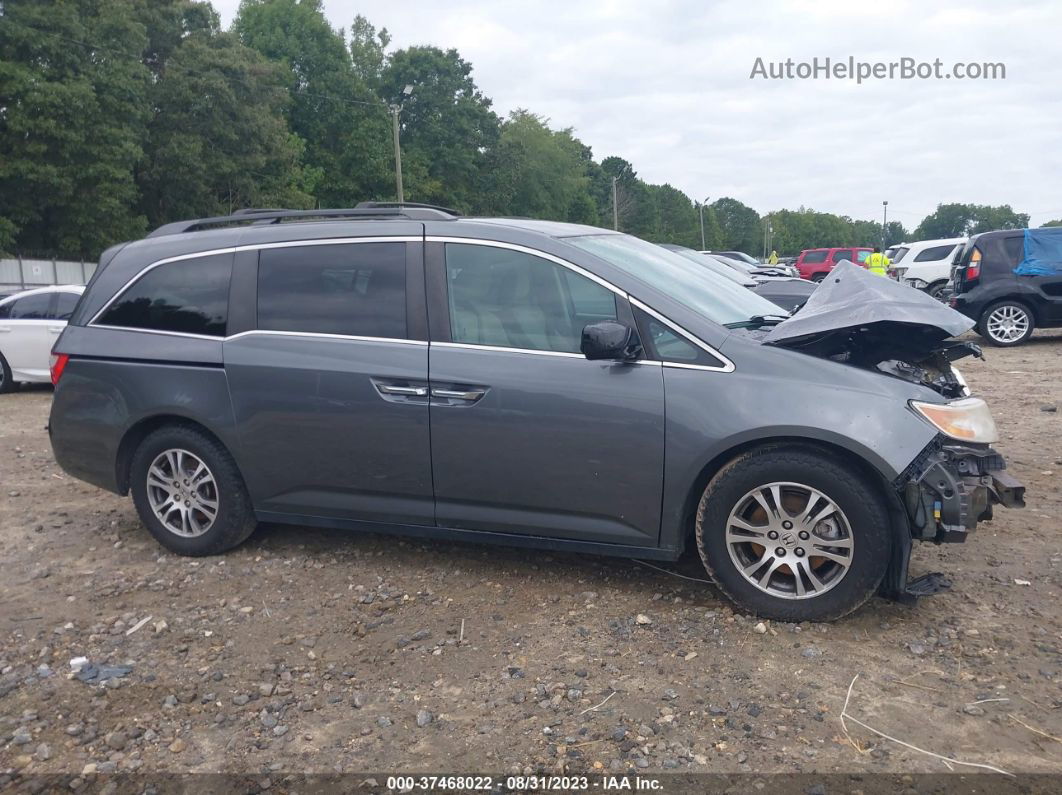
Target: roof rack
367	210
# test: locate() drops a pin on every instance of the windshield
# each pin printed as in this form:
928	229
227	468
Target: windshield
685	282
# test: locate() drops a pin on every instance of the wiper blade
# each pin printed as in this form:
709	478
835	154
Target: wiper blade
758	321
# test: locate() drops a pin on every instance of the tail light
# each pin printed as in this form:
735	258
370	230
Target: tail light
973	267
58	364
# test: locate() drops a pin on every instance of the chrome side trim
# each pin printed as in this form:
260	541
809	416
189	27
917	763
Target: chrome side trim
728	366
157	331
501	349
264	332
533	252
328	241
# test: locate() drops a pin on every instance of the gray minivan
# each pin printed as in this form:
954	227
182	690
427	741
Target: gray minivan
402	369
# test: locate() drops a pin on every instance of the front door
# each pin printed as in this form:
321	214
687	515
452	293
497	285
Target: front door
527	435
330	389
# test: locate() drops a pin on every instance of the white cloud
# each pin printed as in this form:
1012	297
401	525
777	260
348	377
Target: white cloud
666	85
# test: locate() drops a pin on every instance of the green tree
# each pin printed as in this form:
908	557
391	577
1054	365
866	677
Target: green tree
1057	222
344	125
960	220
368	51
448	126
739	224
677	219
73	115
218	140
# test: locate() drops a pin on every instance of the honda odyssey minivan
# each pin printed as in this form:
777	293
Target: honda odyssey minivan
402	369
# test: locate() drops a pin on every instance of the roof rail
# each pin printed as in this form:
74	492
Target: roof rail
366	210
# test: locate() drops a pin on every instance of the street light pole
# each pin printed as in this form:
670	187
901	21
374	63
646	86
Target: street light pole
615	208
884	223
398	154
703	246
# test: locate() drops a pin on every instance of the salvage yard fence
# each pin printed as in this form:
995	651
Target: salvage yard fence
24	273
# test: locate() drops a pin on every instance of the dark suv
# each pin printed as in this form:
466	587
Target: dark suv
1007	305
401	369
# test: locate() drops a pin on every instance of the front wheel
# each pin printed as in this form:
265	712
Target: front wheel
818	277
793	534
189	493
1006	323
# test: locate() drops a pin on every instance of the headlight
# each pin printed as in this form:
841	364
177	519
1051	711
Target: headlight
968	419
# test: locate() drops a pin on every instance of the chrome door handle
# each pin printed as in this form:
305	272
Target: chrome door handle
412	391
55	329
458	394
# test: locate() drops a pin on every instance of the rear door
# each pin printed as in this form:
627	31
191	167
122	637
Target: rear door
842	254
330	383
25	336
527	435
1046	290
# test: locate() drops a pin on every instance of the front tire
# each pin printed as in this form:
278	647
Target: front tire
7	383
817	277
1006	324
793	534
189	493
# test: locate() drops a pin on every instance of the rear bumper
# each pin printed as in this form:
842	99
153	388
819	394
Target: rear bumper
952	486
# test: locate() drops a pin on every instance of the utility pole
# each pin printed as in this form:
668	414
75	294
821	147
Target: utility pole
884	223
398	153
615	207
703	246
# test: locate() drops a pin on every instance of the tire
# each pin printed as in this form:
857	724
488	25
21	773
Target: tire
7	383
936	289
1006	324
190	529
818	277
860	520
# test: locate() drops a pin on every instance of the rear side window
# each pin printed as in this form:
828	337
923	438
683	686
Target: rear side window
861	256
898	256
843	253
189	297
815	257
32	307
356	289
64	306
933	254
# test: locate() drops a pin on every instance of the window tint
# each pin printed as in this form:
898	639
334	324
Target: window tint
897	257
65	303
189	296
1015	248
840	254
861	256
815	257
935	253
517	300
32	307
355	289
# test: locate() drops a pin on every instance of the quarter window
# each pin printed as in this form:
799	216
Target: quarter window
65	303
189	296
668	346
515	300
355	289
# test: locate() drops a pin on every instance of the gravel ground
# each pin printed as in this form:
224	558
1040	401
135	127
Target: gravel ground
314	650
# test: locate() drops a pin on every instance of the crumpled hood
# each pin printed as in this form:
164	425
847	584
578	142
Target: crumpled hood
867	316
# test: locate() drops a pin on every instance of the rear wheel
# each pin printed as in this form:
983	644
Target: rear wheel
1006	323
936	290
7	384
793	534
818	277
189	493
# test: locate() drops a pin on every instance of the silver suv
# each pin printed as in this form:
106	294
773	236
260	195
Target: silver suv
400	369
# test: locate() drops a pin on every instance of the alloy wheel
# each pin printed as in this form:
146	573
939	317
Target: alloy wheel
182	493
789	540
1008	323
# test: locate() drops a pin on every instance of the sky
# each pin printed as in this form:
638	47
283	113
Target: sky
667	86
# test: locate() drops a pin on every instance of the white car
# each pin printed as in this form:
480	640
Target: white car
925	265
30	322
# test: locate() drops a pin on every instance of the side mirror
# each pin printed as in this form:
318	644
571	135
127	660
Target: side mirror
608	339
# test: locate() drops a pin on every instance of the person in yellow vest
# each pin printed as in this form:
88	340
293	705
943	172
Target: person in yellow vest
773	259
878	263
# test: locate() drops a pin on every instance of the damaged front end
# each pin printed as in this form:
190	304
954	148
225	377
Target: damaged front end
863	320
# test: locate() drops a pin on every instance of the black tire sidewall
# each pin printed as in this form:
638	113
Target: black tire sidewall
235	519
982	325
8	383
862	504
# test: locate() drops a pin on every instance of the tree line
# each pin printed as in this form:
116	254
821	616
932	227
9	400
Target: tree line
119	116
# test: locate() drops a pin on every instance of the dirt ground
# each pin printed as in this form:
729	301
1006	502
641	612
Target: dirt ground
315	650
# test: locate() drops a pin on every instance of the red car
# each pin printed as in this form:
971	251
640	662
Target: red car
815	263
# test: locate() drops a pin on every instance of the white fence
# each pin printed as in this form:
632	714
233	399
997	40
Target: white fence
23	273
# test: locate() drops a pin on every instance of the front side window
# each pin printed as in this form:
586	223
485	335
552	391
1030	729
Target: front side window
349	289
510	299
32	307
188	297
815	257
